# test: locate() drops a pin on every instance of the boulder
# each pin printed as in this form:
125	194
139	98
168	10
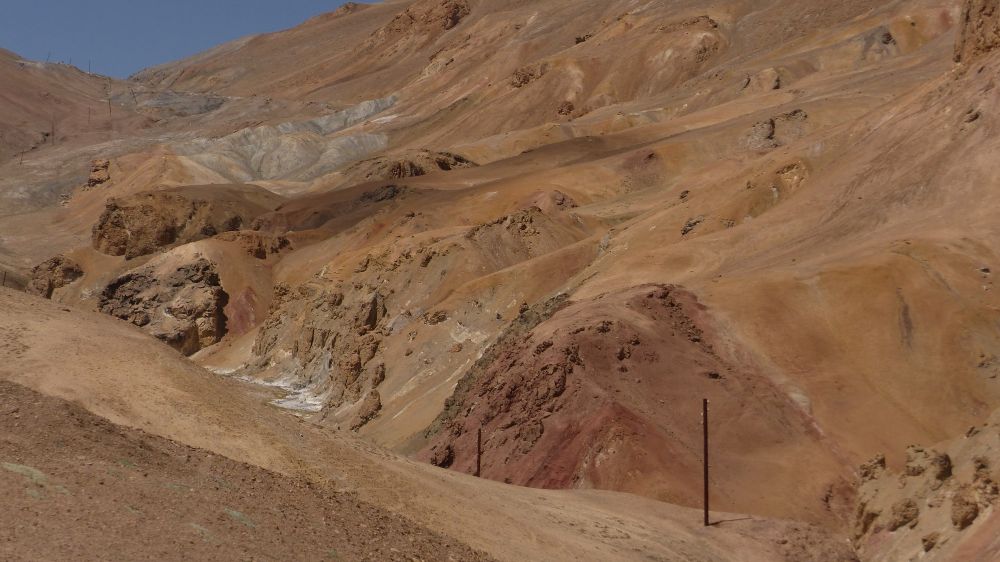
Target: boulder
52	274
185	309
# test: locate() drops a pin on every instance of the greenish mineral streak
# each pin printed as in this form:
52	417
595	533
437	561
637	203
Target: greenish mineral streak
206	535
237	516
31	473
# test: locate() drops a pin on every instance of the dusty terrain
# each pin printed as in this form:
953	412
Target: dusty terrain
79	487
562	224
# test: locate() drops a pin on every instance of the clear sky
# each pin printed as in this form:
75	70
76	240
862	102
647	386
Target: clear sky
120	37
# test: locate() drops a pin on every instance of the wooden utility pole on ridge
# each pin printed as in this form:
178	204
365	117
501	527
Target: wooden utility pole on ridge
479	451
704	424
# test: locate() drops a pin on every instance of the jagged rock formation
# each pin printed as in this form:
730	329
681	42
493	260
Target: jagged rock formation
152	221
332	342
52	274
184	307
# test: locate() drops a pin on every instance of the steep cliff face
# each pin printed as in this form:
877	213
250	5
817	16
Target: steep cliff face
979	30
328	344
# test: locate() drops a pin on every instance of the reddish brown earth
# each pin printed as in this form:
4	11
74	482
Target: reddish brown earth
79	487
586	395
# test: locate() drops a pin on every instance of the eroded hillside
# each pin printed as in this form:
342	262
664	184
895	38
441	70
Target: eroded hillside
563	224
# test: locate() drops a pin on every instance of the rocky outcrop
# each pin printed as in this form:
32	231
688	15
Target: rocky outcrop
52	274
99	173
369	409
765	80
151	221
934	503
904	512
979	31
524	76
777	131
332	336
421	21
405	164
257	244
184	308
520	232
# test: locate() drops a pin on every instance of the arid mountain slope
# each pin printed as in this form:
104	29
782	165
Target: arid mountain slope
563	224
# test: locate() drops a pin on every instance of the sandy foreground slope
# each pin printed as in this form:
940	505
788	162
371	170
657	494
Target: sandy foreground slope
118	373
78	487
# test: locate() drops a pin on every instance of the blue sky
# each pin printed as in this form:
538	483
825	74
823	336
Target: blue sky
120	37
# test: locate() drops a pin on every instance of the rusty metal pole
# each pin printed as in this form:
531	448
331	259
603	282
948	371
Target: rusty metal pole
479	452
704	424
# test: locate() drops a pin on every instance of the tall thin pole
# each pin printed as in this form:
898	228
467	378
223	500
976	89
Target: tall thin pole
479	451
704	424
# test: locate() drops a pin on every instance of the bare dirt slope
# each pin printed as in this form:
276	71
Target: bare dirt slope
79	487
